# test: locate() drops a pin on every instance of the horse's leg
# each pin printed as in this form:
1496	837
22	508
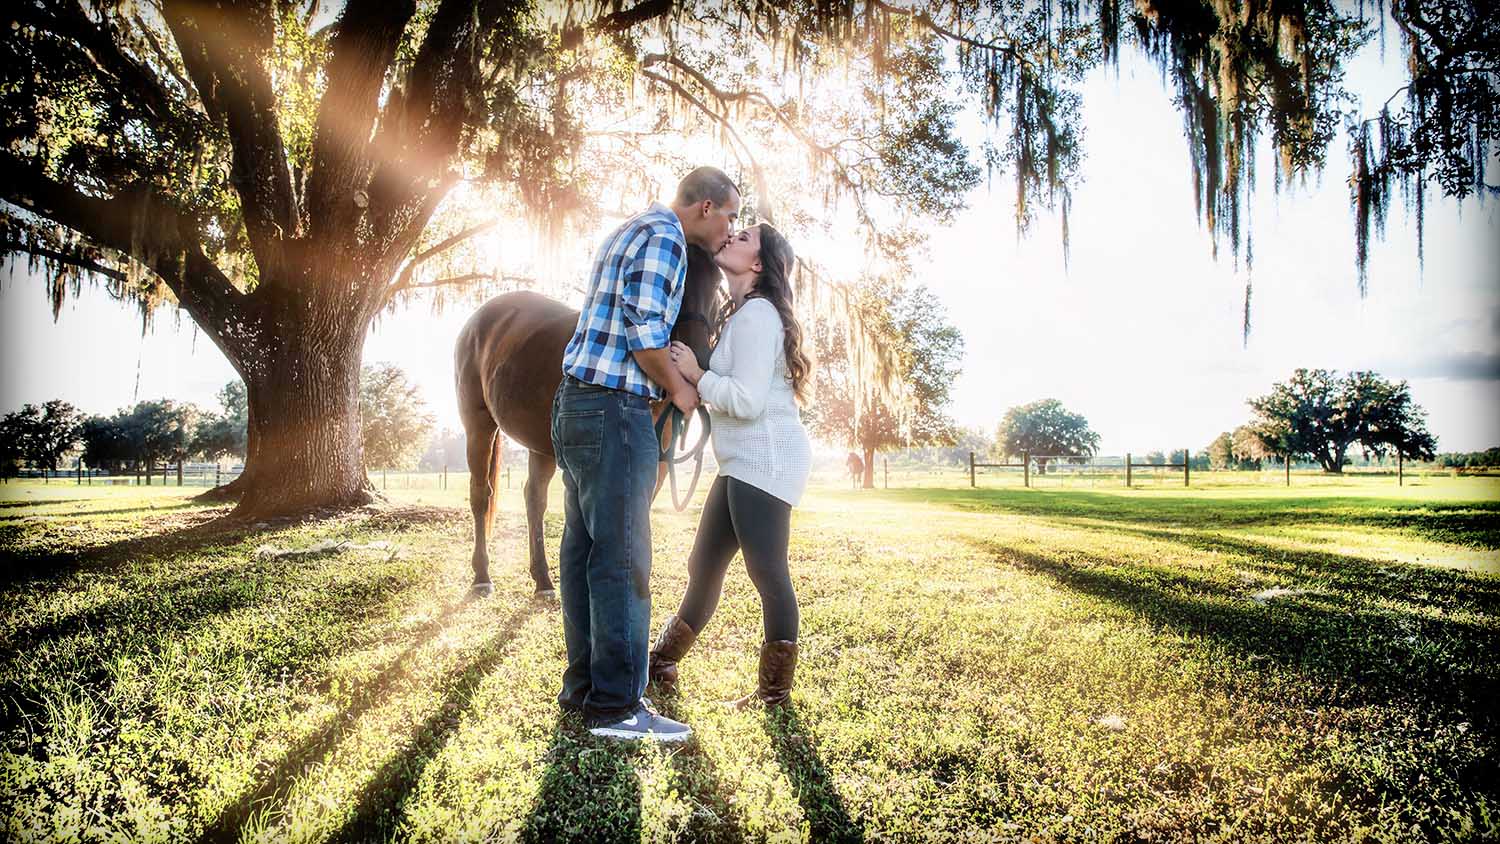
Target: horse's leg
483	453
540	469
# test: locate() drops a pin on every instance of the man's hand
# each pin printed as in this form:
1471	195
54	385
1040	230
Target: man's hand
658	364
686	400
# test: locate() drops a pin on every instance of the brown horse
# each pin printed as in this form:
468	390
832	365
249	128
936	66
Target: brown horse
507	364
856	467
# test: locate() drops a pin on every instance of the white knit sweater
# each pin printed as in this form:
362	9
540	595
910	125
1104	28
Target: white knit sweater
758	436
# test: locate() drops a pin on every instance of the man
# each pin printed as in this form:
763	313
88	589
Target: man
606	447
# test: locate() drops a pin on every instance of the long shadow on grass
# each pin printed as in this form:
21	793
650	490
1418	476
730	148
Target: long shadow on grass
589	791
1368	654
1429	586
822	805
73	514
313	749
206	529
147	622
713	818
378	807
1458	522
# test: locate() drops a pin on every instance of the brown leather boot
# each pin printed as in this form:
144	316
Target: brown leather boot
671	645
778	663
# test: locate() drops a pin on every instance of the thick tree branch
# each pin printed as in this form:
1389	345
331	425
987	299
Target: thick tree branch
139	223
364	45
922	18
68	21
829	153
9	246
616	21
425	119
224	52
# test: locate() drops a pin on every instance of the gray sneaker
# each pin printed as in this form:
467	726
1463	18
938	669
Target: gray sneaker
644	723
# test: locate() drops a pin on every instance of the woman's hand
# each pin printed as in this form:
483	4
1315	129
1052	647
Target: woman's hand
685	361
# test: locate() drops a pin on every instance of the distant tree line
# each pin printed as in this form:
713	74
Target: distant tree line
1487	459
163	432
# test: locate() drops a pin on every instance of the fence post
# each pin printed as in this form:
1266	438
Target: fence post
1288	470
1187	466
1127	470
1026	469
445	476
971	468
80	473
179	473
886	463
1400	470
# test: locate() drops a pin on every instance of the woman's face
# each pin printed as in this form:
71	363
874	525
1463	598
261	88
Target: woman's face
741	257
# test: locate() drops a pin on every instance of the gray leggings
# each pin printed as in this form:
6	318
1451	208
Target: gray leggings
740	517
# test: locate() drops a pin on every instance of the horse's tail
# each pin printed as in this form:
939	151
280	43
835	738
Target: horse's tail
493	475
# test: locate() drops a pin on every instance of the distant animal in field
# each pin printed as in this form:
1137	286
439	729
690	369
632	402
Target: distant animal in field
856	468
507	364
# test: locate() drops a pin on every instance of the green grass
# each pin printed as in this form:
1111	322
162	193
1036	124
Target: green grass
977	665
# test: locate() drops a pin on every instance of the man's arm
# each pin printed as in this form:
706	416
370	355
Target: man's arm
654	271
659	366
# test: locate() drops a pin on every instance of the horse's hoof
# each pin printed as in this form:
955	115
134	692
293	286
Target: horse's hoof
482	590
545	595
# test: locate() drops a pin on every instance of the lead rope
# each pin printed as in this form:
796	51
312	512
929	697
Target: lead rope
675	444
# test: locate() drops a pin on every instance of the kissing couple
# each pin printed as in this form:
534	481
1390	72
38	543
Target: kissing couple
620	360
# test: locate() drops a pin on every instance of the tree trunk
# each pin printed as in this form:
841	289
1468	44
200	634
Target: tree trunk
304	449
869	468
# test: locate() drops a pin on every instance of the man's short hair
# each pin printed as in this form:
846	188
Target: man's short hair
705	183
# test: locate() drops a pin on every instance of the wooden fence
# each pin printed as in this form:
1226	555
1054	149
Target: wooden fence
1121	468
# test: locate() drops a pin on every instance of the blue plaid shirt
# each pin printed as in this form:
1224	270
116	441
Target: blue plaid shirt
635	291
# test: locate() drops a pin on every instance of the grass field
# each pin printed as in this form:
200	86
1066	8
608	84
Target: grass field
1236	663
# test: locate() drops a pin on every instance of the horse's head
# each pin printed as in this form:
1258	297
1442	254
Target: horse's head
702	300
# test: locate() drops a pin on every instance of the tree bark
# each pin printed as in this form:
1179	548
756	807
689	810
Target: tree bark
869	468
304	449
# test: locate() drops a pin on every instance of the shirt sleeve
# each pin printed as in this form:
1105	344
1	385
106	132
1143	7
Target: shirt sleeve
650	279
754	341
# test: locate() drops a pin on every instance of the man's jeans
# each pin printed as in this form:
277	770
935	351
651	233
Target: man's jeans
607	450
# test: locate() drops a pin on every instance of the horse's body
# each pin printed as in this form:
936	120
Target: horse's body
856	467
507	364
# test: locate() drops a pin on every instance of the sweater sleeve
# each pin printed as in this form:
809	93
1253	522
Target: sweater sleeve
754	341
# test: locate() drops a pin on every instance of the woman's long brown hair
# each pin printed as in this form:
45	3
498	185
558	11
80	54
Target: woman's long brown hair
774	284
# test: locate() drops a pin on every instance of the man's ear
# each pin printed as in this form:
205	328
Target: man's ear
706	207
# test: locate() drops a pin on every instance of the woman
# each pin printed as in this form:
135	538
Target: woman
756	376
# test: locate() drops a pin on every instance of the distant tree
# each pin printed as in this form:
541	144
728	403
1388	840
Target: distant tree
1046	428
224	434
1250	449
107	443
10	451
913	323
1221	451
1320	415
446	448
395	420
161	431
1155	458
42	435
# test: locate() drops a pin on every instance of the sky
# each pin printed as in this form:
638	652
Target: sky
1141	333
